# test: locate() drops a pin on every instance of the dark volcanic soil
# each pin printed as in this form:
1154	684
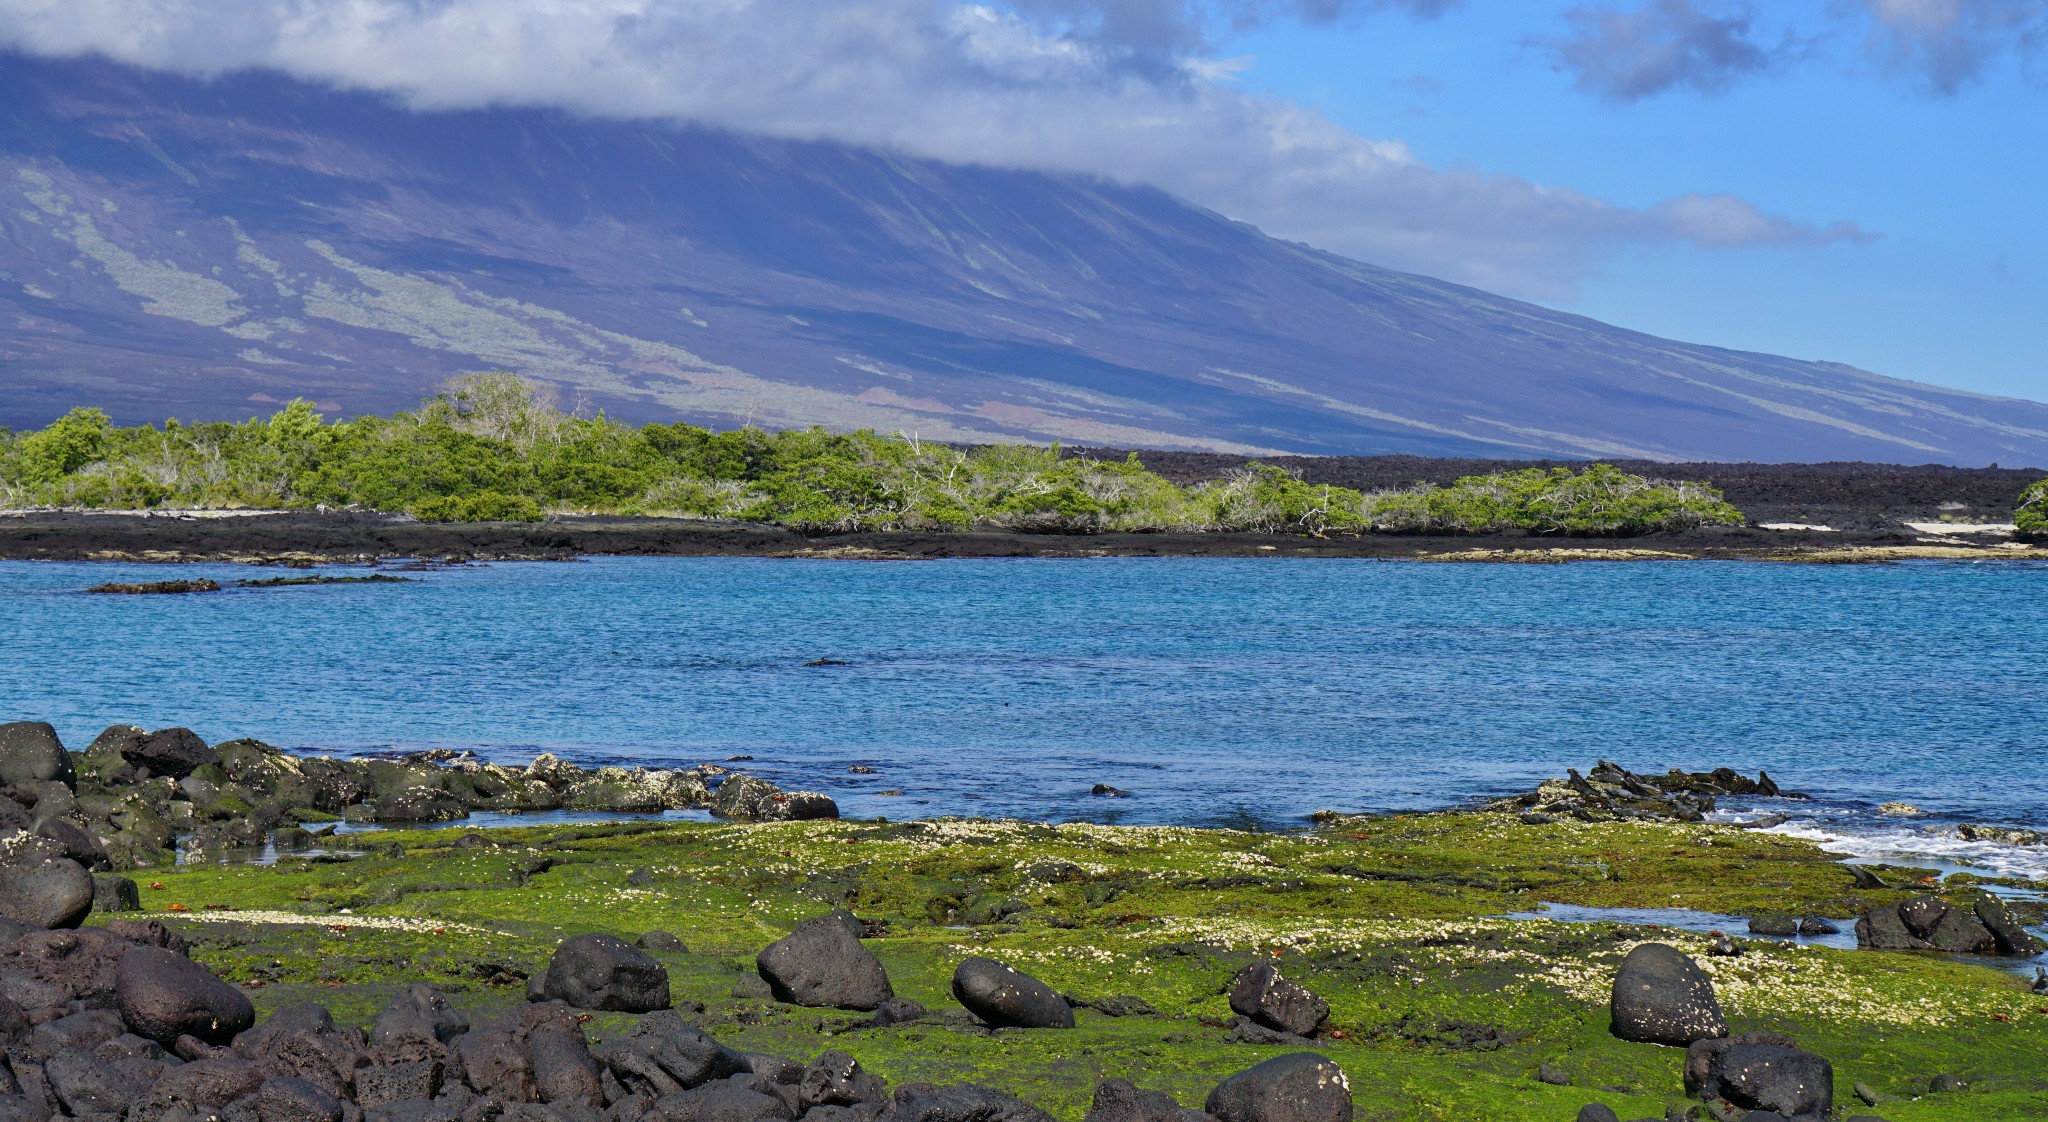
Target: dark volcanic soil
1842	495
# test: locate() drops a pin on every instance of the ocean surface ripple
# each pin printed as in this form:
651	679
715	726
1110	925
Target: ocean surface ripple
1215	691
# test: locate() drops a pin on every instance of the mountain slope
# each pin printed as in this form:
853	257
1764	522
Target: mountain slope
169	246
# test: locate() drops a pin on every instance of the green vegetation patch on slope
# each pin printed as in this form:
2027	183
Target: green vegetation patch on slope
492	447
2030	520
1442	1007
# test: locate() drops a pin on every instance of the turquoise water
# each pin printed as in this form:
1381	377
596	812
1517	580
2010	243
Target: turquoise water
1215	691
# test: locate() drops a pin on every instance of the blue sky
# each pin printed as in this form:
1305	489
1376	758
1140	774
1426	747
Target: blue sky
1953	290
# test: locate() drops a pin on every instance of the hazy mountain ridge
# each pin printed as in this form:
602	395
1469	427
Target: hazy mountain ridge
202	249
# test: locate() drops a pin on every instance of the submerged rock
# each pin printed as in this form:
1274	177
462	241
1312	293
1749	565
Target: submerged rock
1663	997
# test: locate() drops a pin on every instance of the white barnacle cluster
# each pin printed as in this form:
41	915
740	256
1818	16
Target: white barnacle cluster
299	919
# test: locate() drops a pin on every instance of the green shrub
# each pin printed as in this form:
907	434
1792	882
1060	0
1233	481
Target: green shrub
2030	519
493	447
1601	500
483	506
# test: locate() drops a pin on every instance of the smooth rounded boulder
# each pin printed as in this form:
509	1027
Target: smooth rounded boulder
1260	993
603	972
46	892
1663	997
1006	998
163	995
1298	1087
31	753
822	965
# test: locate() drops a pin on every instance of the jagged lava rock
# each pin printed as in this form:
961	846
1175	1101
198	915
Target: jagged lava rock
1120	1100
1762	1071
745	797
1261	993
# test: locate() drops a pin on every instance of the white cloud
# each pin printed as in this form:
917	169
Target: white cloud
1628	55
1948	43
1115	88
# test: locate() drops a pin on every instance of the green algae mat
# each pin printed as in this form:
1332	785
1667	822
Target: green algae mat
1442	1007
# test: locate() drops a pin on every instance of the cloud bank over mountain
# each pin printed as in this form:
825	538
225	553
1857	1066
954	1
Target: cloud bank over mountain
1122	89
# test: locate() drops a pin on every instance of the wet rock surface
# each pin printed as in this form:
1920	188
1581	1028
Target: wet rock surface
137	799
1981	925
1611	792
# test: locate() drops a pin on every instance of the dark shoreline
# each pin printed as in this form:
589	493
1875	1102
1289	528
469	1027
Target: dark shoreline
361	537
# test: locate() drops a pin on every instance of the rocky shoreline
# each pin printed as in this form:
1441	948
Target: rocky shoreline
136	799
305	537
908	940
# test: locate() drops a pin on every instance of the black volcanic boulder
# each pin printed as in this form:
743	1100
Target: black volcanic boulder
603	972
563	1070
285	1098
418	1025
1931	923
30	752
2012	939
164	995
45	891
1762	1071
1297	1087
210	1082
924	1102
1005	998
1119	1100
1883	929
173	752
496	1058
115	894
1260	993
1663	997
663	1055
823	965
745	797
836	1079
